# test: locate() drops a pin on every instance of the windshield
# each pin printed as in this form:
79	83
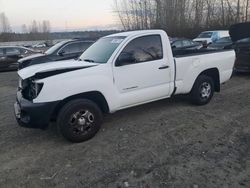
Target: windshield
224	40
205	35
55	47
101	51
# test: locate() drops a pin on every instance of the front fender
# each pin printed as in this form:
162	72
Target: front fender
62	86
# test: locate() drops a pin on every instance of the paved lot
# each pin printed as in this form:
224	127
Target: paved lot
169	143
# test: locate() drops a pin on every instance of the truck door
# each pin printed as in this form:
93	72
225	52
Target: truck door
141	72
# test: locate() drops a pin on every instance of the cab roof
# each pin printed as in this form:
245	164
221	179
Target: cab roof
134	33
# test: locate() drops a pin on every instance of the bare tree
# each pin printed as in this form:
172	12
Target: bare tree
45	26
24	28
136	14
181	17
246	10
4	24
34	27
238	11
46	29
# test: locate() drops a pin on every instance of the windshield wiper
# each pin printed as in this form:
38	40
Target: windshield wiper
89	60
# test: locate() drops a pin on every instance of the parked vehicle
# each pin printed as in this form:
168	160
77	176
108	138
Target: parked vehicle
9	56
40	45
117	72
223	43
208	37
182	43
240	34
69	49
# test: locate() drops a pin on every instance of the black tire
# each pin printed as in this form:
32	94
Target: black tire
202	91
79	120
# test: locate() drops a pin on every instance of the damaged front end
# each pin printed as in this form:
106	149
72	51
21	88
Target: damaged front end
28	113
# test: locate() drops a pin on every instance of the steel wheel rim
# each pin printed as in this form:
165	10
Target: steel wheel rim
205	90
81	122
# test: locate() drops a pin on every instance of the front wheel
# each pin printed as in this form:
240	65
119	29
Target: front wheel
79	120
203	90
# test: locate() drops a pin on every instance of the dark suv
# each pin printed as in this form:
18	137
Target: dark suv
69	49
240	34
9	55
242	48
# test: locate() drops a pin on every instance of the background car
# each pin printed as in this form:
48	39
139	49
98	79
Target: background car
182	43
69	49
39	45
9	55
223	43
208	37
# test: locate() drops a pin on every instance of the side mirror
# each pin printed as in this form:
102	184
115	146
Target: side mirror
173	46
61	53
125	59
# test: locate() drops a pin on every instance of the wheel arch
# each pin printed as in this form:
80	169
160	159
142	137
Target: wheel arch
94	96
215	75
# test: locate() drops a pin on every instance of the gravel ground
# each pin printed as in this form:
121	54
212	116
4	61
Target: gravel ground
169	143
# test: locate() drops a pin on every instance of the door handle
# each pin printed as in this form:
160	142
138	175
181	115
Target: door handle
164	67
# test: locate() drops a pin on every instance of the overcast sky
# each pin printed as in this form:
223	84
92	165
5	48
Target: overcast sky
62	14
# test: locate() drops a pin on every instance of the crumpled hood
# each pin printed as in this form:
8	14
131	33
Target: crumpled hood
31	57
240	31
53	68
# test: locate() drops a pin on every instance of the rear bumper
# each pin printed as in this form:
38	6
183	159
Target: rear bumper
33	115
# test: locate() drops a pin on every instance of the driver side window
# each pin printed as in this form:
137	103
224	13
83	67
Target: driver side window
142	49
12	51
71	48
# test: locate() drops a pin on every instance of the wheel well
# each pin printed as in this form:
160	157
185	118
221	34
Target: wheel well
94	96
214	74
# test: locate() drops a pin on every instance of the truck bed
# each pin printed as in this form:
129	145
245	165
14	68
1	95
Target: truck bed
190	63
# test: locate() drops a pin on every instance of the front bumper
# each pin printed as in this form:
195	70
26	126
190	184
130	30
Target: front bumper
33	115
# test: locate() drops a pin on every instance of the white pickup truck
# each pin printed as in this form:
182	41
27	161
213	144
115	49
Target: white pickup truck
117	72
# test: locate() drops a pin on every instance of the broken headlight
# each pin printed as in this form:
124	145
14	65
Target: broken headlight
32	89
35	89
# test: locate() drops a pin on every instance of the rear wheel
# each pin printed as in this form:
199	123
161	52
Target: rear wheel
79	120
203	90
